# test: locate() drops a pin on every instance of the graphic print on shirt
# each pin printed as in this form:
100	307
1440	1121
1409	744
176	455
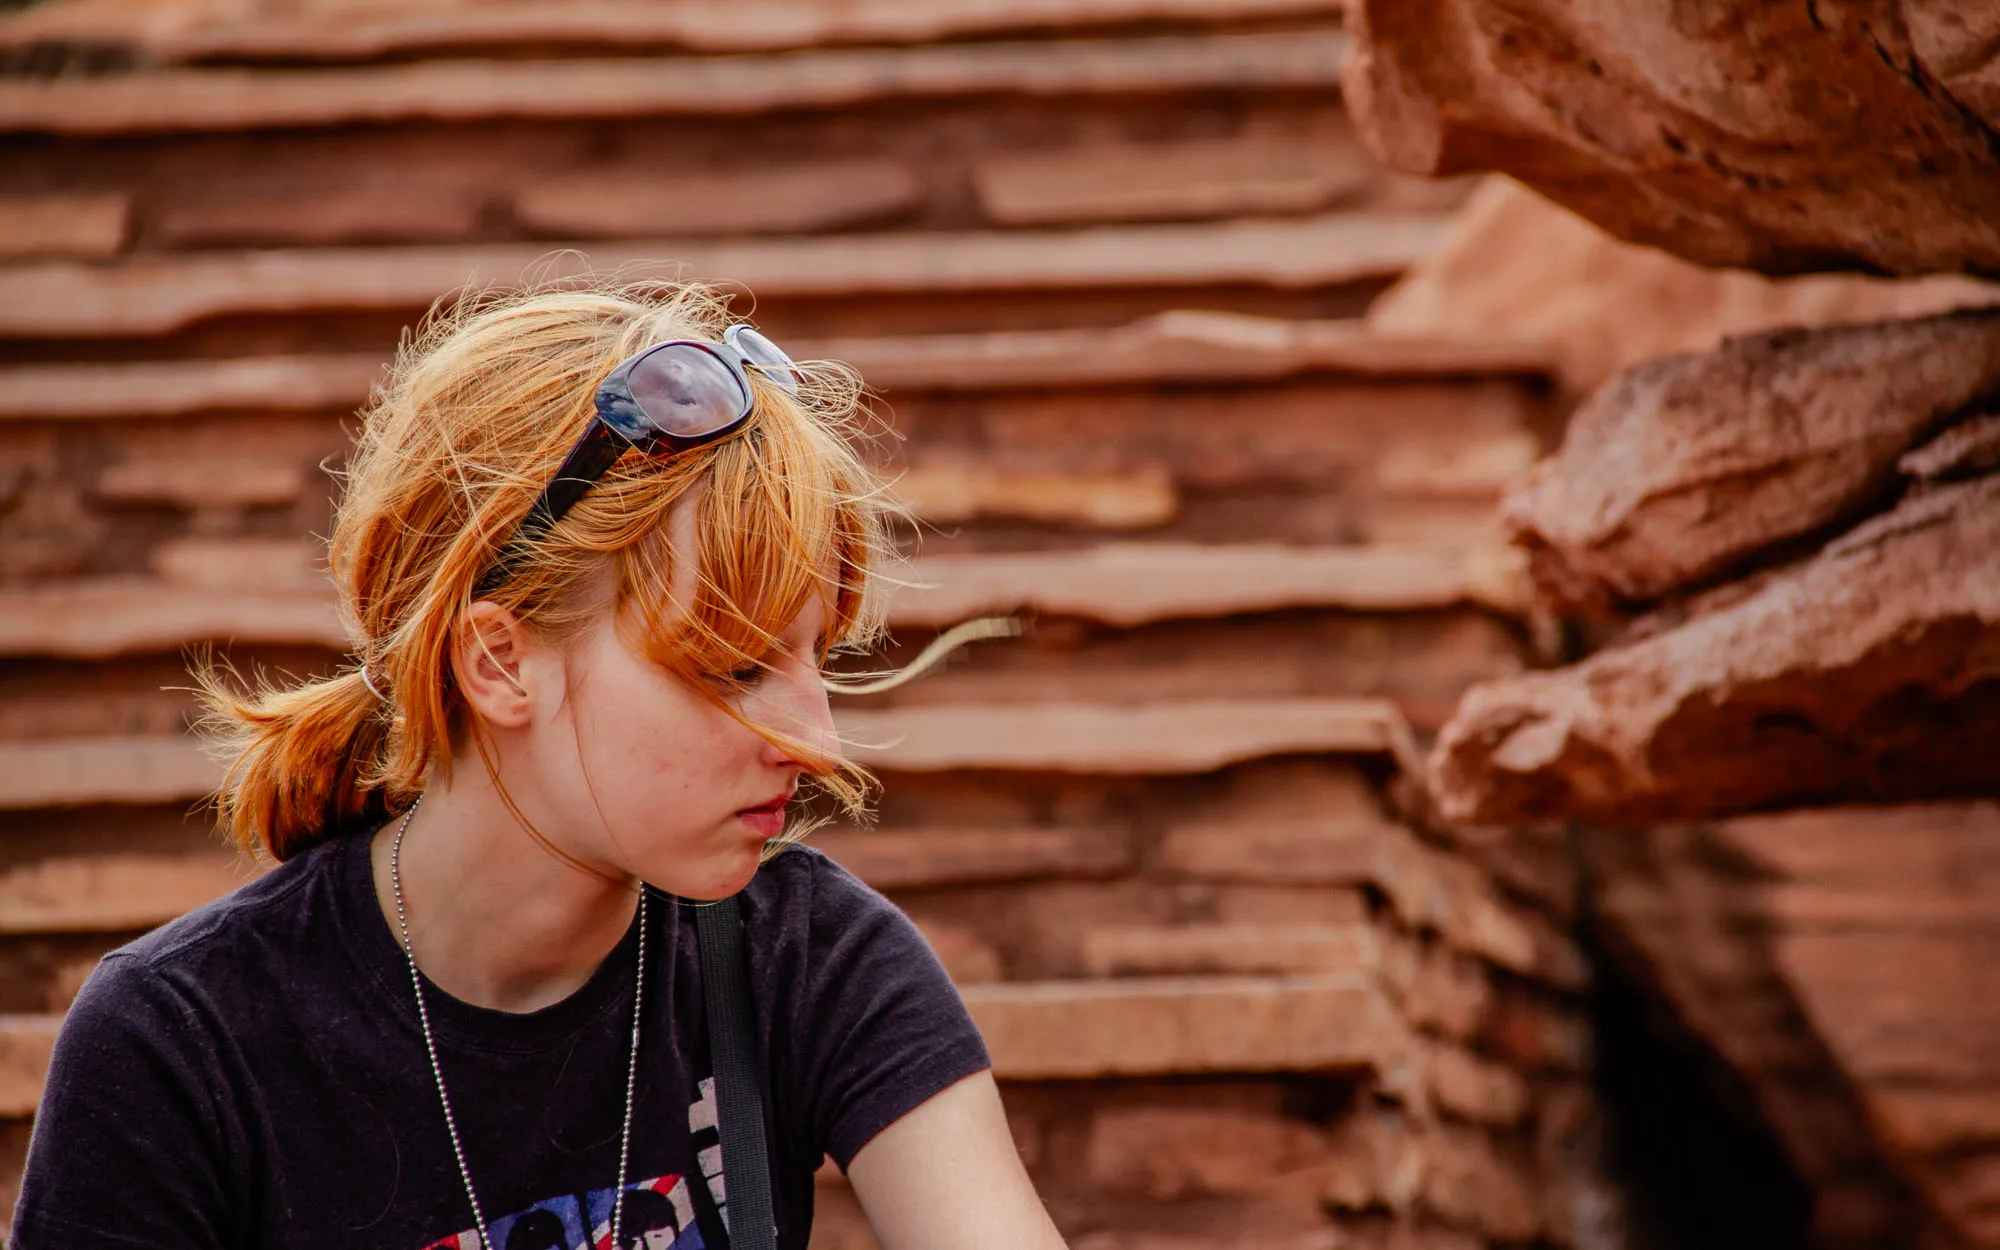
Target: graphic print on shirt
658	1214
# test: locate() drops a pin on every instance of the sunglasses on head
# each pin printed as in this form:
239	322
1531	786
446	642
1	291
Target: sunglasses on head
671	397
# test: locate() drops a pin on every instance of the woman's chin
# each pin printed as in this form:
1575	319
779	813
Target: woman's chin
722	876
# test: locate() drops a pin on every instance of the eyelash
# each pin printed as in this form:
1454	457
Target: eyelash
750	674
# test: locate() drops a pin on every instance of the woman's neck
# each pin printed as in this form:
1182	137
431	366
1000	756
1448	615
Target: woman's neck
496	918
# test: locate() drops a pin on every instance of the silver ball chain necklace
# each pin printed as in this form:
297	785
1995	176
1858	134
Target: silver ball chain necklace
444	1096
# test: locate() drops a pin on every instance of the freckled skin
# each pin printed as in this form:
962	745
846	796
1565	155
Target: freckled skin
662	773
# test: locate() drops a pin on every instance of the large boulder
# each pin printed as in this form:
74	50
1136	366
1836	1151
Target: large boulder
1868	671
1686	468
1787	138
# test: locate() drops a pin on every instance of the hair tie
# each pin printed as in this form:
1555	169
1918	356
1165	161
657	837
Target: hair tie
369	682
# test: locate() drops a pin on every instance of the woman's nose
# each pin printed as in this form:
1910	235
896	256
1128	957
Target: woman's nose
799	709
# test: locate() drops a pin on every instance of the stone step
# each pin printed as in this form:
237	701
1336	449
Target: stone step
1172	347
934	858
113	892
1428	890
1119	584
1129	182
128	616
85	224
1129	584
1059	1030
193	31
137	769
1239	949
157	294
179	101
1187	736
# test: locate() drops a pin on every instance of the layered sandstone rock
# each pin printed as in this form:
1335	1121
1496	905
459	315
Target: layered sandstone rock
1780	137
1868	671
1685	468
1809	521
1515	266
1843	965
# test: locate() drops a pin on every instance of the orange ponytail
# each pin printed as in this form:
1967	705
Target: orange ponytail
303	763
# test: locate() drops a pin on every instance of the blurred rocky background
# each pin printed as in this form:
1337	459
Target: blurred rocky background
1497	758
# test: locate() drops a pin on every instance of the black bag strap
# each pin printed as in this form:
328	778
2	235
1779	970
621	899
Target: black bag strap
733	1052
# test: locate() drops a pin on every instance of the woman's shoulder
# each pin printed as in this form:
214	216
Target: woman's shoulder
806	883
805	909
265	908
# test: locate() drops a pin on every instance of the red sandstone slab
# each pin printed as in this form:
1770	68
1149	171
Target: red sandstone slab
1087	1029
108	893
26	1041
160	293
181	387
1478	1184
1175	346
1428	889
191	30
929	858
258	566
1901	1006
41	226
1189	736
407	212
1169	1151
210	484
70	772
1240	949
131	617
945	494
1926	1120
1132	584
1163	181
462	90
783	199
1473	1088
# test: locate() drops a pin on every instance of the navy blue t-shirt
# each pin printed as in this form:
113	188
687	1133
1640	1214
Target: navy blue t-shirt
253	1074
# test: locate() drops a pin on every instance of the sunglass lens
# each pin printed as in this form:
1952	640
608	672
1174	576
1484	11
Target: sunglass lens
765	357
686	391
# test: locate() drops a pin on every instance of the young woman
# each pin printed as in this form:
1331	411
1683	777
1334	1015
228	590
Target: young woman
596	545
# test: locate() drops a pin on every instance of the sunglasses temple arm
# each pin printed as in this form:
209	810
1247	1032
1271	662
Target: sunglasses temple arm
590	459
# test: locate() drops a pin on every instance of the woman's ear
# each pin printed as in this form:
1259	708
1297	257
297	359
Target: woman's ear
488	656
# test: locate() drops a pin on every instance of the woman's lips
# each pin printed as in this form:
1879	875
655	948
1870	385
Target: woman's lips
766	820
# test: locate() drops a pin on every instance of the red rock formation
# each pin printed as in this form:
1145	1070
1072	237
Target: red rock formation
1685	468
1786	138
1516	266
1868	671
1843	964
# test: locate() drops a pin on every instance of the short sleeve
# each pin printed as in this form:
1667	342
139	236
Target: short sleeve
880	1027
125	1149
